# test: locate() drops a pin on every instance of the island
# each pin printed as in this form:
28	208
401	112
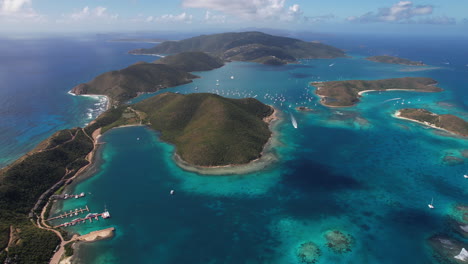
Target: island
142	77
395	60
248	46
447	122
347	93
191	61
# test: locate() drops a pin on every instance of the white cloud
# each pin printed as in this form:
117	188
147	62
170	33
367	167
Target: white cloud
403	11
250	9
168	18
214	19
18	10
92	14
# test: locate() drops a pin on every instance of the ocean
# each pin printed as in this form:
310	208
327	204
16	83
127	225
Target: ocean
358	170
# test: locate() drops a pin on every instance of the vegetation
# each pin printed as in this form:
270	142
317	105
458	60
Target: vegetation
450	123
69	249
191	61
346	93
24	182
123	85
248	46
395	60
207	129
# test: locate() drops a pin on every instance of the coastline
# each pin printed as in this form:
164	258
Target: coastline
95	96
267	157
407	90
397	114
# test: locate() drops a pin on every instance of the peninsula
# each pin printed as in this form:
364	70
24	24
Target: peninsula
248	46
122	85
395	60
206	129
347	93
450	123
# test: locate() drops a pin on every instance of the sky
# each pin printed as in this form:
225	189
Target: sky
371	16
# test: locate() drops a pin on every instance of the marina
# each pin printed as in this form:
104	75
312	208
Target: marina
70	214
89	217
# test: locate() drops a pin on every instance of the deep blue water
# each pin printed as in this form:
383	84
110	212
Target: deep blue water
355	169
35	76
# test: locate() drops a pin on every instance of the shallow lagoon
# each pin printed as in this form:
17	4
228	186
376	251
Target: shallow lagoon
354	169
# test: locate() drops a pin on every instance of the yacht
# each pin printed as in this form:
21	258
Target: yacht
431	205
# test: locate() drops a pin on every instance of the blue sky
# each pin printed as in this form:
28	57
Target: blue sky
412	17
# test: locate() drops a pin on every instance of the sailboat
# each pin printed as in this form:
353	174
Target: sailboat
431	205
465	176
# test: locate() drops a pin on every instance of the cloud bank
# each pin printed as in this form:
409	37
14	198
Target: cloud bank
403	12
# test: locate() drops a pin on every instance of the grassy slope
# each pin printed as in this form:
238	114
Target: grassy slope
345	93
191	61
207	129
450	123
125	84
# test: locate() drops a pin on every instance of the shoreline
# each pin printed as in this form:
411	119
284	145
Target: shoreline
386	90
267	157
397	114
95	96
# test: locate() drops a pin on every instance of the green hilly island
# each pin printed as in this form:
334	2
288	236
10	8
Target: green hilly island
191	61
248	46
395	60
451	123
125	84
347	93
207	129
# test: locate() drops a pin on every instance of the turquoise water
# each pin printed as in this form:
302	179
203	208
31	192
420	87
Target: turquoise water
355	169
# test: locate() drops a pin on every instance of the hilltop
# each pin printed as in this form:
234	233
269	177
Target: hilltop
450	123
347	93
125	84
248	46
191	61
395	60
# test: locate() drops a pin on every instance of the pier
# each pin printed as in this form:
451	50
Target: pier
66	196
89	217
71	213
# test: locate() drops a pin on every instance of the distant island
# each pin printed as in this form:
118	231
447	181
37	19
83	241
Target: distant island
123	85
191	61
138	40
248	46
395	60
347	93
450	123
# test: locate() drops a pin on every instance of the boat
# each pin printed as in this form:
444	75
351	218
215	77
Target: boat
331	65
465	176
293	120
232	77
431	205
172	192
463	256
105	215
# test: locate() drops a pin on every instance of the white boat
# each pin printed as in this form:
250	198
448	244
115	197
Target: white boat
463	256
172	192
465	176
331	65
431	205
293	120
232	77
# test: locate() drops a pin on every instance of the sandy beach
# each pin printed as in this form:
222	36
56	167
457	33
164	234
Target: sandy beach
398	115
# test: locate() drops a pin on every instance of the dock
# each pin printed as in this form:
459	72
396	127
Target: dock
71	213
89	217
66	196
